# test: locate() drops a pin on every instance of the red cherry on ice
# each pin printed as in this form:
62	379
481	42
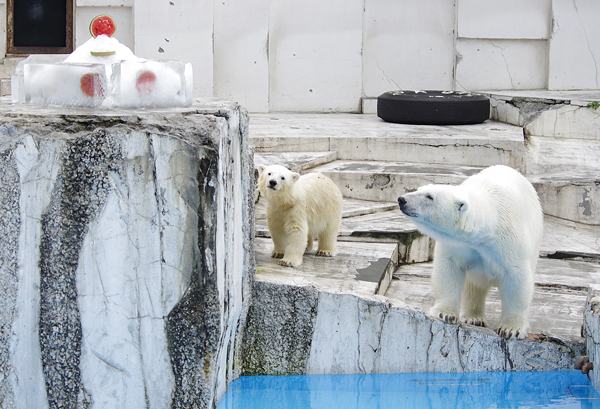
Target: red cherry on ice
145	82
103	25
91	85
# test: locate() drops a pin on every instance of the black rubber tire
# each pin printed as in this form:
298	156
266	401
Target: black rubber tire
433	107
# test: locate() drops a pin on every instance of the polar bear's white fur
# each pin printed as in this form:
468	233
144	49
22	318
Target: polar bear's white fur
300	208
488	232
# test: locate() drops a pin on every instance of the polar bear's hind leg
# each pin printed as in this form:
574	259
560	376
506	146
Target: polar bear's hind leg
516	297
473	305
309	244
328	241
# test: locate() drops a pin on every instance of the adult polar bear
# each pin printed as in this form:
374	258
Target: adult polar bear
300	208
488	232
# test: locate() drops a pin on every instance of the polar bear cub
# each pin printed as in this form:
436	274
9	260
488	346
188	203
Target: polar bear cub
300	208
488	231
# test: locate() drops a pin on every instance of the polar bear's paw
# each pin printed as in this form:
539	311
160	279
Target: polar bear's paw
324	253
477	321
277	254
447	316
286	262
508	332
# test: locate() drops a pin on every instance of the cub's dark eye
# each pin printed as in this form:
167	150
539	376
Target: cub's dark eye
428	196
282	178
269	174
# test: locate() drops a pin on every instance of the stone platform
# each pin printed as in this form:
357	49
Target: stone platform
125	255
364	310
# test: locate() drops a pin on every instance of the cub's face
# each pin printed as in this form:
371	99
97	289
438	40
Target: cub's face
275	178
435	208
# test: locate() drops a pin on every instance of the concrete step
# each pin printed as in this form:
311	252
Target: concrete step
561	128
296	161
357	266
385	181
380	161
556	114
558	303
572	195
552	155
566	237
366	137
566	122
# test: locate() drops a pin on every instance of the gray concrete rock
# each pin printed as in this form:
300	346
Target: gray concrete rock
591	332
279	330
355	332
126	255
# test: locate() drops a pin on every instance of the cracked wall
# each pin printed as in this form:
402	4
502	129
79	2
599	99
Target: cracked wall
501	64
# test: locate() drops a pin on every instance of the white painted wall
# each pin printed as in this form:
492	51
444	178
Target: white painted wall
408	45
500	64
177	30
502	44
514	19
574	61
315	61
327	55
241	52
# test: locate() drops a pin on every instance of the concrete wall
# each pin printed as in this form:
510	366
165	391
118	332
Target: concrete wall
331	331
329	55
125	261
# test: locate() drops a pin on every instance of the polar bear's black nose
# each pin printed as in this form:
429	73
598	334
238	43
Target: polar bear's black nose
401	201
272	183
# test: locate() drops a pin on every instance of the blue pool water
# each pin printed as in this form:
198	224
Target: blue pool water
474	390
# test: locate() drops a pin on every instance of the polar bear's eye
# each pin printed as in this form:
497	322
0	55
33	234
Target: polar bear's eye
428	196
282	178
269	174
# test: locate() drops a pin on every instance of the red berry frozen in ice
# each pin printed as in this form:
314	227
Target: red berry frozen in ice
145	82
103	25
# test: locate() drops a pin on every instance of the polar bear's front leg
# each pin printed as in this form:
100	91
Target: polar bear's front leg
448	281
297	240
278	242
516	291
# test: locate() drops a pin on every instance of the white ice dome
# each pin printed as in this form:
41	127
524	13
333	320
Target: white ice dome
101	50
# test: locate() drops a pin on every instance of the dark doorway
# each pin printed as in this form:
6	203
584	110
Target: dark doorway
39	26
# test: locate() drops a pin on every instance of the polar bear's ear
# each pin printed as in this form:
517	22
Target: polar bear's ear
261	168
295	177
